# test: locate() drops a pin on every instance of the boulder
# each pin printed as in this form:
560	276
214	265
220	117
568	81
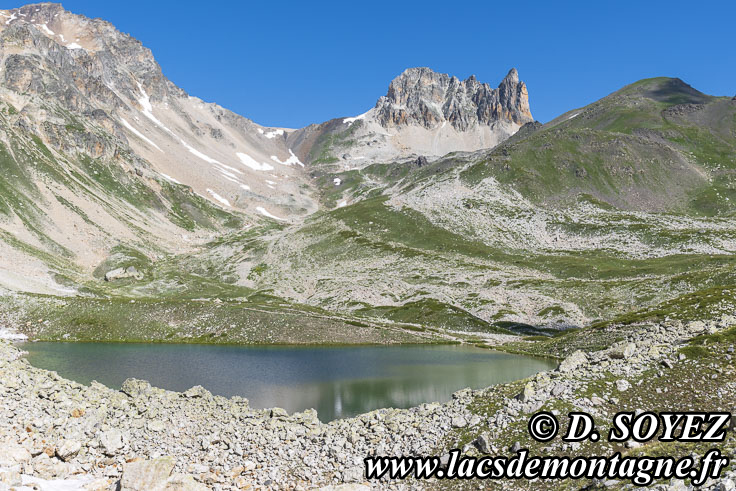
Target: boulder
198	392
622	351
123	273
68	450
135	388
111	442
47	468
483	443
572	362
182	482
147	475
12	454
346	487
623	385
528	393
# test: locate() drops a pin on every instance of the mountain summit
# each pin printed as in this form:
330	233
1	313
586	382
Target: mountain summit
423	114
427	98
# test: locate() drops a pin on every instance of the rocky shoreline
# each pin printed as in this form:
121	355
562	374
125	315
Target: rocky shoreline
54	428
64	435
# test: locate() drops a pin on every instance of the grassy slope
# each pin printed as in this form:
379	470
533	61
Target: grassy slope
653	145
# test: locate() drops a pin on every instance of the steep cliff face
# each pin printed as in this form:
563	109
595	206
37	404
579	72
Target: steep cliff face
424	114
420	96
99	149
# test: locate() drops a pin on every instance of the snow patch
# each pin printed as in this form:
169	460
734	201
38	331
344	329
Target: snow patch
572	116
233	169
169	178
293	159
227	174
265	213
139	134
145	102
274	133
355	118
199	154
12	18
245	187
337	181
249	161
32	482
47	30
342	203
218	197
73	46
260	130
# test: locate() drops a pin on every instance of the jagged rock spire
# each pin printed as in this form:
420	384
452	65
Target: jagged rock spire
423	97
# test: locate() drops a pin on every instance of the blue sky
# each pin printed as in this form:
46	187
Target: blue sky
293	63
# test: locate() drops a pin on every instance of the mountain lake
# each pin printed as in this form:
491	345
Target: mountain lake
338	382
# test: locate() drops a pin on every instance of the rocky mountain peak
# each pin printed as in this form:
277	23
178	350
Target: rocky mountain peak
421	96
512	77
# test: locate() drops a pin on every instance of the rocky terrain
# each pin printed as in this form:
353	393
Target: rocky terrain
96	437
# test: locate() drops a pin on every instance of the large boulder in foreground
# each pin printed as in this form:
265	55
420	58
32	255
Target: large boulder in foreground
156	475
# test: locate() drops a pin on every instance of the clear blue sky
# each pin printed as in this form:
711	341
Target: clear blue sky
291	63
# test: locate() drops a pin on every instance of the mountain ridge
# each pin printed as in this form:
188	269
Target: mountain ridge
486	228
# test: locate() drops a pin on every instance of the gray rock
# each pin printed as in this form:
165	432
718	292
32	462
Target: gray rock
198	392
413	96
68	450
146	475
111	442
346	487
483	443
123	273
623	385
136	388
573	362
183	482
528	393
12	454
622	351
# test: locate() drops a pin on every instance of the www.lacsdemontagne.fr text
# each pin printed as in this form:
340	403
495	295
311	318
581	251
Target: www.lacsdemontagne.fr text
641	471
